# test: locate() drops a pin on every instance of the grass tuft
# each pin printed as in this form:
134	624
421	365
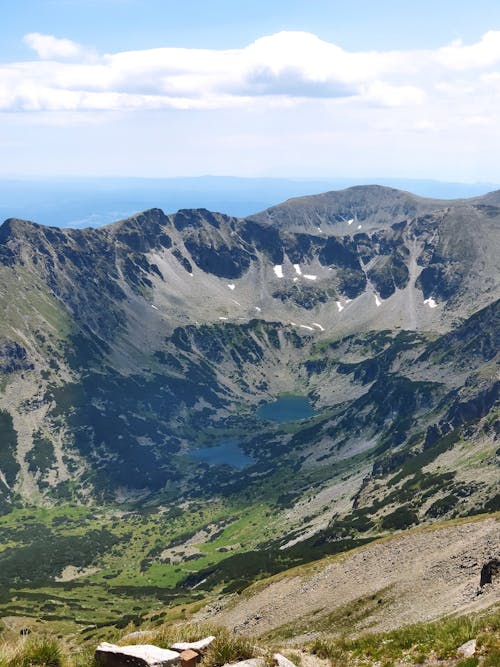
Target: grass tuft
38	651
418	642
227	648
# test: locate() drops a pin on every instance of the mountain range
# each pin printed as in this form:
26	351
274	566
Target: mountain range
137	361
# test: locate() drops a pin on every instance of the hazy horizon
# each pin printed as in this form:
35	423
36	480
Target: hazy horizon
82	202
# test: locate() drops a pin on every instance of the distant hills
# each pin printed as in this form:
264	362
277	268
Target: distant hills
82	202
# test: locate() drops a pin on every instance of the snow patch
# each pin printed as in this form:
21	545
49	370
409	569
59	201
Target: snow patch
153	306
298	270
378	302
231	286
308	276
430	302
315	324
340	307
223	318
359	226
349	222
304	326
348	300
295	279
278	270
258	309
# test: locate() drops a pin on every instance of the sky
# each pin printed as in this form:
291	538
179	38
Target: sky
161	88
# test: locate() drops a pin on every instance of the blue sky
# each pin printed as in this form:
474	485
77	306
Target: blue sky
164	88
116	25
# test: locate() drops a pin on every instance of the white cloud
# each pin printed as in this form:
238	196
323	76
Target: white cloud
388	95
485	53
287	69
49	47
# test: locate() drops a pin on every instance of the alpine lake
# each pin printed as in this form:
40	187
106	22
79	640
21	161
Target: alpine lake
284	409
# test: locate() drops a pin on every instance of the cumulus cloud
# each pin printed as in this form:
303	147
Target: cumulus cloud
485	53
287	68
49	47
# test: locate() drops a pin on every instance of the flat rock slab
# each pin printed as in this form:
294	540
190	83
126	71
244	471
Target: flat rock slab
281	661
251	662
199	646
138	655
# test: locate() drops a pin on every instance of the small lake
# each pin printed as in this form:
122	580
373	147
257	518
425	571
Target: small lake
286	409
227	453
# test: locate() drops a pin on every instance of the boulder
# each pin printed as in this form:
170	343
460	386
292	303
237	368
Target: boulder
189	658
199	646
138	655
468	649
489	571
281	661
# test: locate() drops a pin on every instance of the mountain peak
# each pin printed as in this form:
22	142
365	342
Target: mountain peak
357	207
14	227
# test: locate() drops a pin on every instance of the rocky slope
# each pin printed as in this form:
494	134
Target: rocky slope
416	576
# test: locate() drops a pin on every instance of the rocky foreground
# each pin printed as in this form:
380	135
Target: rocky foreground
186	654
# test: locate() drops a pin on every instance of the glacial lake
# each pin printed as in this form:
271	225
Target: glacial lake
227	453
286	409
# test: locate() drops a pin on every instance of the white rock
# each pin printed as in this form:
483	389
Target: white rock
430	302
143	655
468	649
199	646
281	661
251	662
